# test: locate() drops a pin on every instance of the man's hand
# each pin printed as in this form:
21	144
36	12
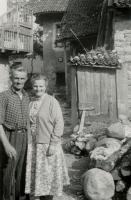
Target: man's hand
10	151
51	150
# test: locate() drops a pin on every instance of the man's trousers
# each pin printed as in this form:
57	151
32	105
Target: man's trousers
11	169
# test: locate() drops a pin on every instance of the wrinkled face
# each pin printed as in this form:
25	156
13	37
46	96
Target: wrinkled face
18	80
39	88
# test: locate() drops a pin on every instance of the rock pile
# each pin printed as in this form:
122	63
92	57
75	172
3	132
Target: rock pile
86	140
109	149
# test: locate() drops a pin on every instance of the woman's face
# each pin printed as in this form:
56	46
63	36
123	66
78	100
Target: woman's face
39	88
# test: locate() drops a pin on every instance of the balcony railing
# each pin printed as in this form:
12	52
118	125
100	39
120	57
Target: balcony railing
16	30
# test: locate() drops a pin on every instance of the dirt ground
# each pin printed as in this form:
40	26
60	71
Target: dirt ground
76	165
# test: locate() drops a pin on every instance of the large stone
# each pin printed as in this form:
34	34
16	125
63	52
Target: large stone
105	148
116	130
98	161
98	184
120	186
128	196
90	144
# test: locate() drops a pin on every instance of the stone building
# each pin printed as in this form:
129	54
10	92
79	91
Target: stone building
109	22
115	33
49	14
15	38
14	3
3	7
79	28
33	64
119	21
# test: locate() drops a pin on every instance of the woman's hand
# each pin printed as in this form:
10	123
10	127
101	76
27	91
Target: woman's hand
51	150
10	151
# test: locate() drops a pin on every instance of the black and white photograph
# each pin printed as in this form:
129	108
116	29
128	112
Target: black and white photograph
65	99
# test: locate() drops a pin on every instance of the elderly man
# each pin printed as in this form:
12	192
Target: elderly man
13	133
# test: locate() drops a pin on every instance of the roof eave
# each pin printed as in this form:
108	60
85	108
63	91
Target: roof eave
71	38
48	12
116	5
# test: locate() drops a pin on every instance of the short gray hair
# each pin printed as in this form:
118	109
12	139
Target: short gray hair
17	68
39	77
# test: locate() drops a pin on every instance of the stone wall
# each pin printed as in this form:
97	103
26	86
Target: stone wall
53	57
32	66
122	43
4	73
3	7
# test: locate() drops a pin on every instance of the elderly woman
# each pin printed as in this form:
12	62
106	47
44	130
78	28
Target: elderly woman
46	172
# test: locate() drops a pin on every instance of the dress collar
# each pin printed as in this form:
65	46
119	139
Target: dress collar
38	99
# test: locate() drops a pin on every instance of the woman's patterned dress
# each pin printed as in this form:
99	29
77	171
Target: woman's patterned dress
44	175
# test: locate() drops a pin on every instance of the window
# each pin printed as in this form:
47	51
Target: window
58	44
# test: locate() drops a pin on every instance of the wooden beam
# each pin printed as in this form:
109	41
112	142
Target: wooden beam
100	36
74	109
108	43
110	3
66	75
2	39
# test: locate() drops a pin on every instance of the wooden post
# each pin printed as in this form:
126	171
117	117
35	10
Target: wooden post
66	75
3	38
31	40
74	109
100	36
108	43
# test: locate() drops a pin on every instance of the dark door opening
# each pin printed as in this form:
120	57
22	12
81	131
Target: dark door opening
60	78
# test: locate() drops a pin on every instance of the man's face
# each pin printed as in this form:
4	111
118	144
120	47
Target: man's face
18	80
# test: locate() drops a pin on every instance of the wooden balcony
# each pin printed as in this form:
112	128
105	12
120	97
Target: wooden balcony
16	30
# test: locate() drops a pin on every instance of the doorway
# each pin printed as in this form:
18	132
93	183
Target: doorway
60	79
